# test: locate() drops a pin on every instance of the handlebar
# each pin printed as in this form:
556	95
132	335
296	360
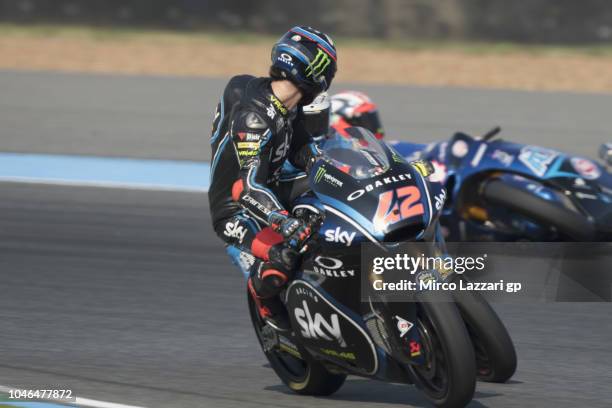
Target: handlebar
490	134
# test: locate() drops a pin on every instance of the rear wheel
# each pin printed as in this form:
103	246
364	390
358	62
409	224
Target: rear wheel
448	375
495	354
297	369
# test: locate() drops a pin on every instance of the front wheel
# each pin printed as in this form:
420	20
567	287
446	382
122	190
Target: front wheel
297	369
495	355
448	376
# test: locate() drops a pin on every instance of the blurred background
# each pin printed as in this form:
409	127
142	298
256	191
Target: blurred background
426	63
531	45
534	21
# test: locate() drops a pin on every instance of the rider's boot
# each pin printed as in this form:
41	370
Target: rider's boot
271	309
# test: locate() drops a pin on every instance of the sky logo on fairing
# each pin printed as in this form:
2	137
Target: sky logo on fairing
339	236
440	199
317	327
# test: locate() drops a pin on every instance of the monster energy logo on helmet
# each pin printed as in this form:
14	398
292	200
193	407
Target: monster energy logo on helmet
318	65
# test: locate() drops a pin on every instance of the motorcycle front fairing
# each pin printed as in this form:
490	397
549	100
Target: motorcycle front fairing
370	194
372	184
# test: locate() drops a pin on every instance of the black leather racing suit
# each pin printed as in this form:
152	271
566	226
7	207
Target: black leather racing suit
252	136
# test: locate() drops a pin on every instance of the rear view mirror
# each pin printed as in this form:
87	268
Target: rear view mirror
605	153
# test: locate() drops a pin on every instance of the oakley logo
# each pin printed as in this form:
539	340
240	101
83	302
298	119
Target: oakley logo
331	267
327	262
378	183
286	59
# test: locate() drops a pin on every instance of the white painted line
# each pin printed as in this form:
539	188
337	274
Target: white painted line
101	184
102	404
85	402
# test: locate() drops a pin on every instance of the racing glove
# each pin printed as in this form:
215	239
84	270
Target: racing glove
285	259
294	230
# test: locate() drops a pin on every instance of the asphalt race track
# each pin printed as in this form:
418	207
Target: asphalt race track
170	118
127	296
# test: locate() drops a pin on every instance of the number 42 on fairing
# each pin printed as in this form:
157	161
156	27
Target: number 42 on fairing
397	205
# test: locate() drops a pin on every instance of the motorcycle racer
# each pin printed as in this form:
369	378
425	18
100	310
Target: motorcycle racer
352	108
256	129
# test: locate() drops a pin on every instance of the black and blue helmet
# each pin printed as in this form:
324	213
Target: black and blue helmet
306	57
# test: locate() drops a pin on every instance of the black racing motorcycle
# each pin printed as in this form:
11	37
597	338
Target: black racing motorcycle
371	194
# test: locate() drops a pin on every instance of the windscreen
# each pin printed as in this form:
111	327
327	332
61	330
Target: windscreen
356	152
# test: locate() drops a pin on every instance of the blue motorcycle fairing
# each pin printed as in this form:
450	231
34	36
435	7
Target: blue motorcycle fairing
499	155
545	173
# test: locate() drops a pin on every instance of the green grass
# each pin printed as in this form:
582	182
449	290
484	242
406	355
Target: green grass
125	33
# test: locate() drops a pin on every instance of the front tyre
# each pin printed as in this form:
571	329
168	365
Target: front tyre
448	375
495	354
298	370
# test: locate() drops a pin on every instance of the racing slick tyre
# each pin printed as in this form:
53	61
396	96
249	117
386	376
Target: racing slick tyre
296	368
448	376
493	347
566	221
